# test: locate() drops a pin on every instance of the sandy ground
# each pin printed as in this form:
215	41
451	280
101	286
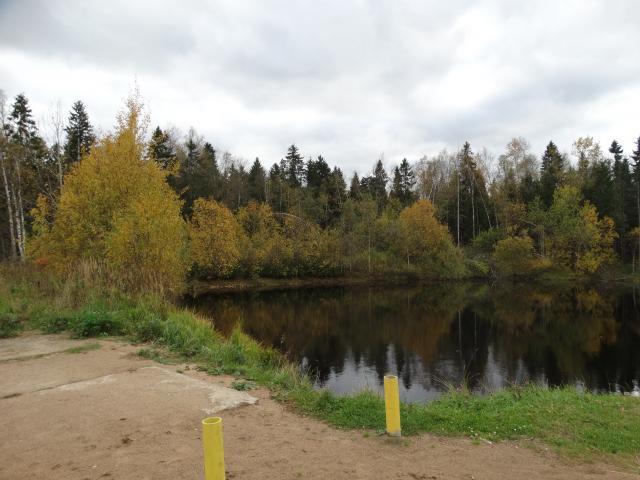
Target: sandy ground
108	414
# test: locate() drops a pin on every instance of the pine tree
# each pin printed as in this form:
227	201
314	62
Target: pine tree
294	166
256	182
624	195
28	148
208	174
317	175
469	198
396	184
354	187
79	132
404	181
275	190
161	150
192	146
635	156
616	149
599	188
336	194
22	127
551	173
378	185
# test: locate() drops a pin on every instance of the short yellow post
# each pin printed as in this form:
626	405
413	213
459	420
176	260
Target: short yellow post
392	405
213	448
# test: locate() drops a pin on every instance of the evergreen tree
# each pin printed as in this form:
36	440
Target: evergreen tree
635	156
79	132
377	185
396	184
294	166
275	190
161	150
236	195
404	181
256	182
467	207
208	173
599	188
551	173
336	194
354	187
317	175
192	146
21	126
624	196
26	154
616	149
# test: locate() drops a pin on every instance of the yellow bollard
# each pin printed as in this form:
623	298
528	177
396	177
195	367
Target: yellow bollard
392	405
213	448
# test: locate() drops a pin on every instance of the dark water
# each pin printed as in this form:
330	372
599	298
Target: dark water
445	334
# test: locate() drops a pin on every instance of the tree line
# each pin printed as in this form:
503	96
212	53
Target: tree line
76	195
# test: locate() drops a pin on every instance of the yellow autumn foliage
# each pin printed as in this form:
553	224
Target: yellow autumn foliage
215	239
514	255
117	209
425	242
577	238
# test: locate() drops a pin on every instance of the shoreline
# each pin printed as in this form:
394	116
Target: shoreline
200	287
242	285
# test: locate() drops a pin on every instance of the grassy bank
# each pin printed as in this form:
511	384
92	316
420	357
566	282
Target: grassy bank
576	423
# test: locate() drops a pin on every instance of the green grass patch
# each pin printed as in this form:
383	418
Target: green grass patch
242	385
156	355
10	325
87	347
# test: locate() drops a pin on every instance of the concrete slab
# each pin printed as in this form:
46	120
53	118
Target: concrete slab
27	373
154	381
35	345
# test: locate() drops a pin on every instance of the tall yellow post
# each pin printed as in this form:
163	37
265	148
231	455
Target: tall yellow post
213	448
392	405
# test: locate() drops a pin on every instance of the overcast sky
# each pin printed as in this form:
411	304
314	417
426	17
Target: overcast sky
346	79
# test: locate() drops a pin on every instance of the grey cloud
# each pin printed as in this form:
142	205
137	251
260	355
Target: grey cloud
347	79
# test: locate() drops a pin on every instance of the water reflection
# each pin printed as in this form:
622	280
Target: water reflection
444	334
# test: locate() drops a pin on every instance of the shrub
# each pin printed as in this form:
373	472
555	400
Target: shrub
215	235
514	256
9	323
485	241
97	320
425	242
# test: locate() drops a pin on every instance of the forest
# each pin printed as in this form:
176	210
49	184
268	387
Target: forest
155	206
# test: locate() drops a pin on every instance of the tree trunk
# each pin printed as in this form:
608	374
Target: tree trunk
7	192
16	220
638	201
458	205
19	211
473	211
369	250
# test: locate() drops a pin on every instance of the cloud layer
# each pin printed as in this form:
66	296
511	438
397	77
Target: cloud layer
347	79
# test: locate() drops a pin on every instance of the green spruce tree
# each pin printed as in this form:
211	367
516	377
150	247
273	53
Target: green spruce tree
551	173
80	136
256	182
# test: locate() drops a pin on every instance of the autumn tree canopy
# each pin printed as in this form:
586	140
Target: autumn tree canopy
116	207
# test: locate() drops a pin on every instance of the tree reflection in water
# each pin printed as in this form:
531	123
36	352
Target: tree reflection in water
442	335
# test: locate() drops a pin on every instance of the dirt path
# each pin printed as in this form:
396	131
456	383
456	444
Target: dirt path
107	413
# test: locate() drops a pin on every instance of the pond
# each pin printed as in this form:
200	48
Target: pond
445	335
